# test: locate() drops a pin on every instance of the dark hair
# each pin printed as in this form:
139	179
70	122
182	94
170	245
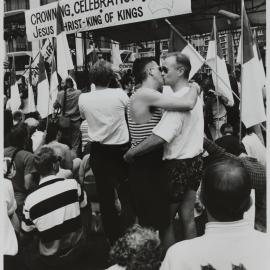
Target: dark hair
52	132
233	146
183	60
226	128
225	189
18	116
18	136
44	160
138	69
138	249
101	73
69	83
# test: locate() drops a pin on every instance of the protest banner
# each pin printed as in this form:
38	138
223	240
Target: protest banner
84	15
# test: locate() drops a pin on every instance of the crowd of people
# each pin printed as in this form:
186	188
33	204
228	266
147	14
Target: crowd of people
152	161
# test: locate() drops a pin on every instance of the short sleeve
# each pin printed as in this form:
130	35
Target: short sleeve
82	196
81	107
169	126
27	224
29	164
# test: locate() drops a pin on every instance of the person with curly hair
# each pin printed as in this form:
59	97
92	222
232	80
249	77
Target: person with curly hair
138	249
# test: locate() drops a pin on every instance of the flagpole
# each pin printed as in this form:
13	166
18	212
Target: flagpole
242	60
47	123
216	52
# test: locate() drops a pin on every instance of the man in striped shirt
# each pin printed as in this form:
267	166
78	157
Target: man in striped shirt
53	209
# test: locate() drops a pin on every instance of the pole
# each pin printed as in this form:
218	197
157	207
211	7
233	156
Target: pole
216	53
241	80
47	122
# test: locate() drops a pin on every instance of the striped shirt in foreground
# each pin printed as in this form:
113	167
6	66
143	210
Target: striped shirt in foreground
54	211
139	132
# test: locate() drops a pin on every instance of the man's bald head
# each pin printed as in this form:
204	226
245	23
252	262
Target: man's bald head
226	190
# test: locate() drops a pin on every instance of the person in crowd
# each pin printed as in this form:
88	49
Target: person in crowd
227	138
36	135
8	125
215	108
256	172
71	110
233	112
229	241
10	220
253	145
19	166
53	212
18	118
181	134
69	164
104	111
138	249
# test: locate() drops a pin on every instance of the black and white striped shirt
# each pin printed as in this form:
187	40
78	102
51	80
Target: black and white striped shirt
54	211
140	132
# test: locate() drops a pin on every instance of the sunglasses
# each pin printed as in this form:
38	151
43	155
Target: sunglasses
163	69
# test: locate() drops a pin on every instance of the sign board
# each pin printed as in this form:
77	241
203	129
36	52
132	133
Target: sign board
84	15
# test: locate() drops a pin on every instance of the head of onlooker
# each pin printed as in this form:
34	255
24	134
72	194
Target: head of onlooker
69	83
146	71
238	74
225	190
18	118
101	74
46	162
18	136
138	249
232	146
52	132
226	129
176	69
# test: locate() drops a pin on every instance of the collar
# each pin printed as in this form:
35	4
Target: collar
47	178
228	228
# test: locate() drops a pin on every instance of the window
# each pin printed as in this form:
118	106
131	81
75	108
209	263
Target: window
45	2
17	4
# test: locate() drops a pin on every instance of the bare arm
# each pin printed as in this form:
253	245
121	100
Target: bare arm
172	103
146	146
29	181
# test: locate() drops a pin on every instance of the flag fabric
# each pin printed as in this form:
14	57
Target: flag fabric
43	90
64	59
253	111
31	98
260	72
116	58
53	84
217	63
178	43
15	99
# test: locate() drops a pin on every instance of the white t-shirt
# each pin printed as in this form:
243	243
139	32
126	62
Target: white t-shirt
223	246
104	111
183	131
8	240
255	148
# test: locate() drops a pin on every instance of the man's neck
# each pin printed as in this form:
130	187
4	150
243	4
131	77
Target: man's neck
150	84
180	85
